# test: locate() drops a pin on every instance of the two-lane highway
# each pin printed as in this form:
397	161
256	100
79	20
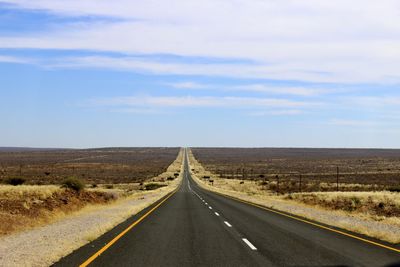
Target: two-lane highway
195	227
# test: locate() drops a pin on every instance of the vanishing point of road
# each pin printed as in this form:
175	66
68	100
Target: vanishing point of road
195	227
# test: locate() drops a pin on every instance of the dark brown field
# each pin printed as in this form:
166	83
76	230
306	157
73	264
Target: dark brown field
107	165
359	169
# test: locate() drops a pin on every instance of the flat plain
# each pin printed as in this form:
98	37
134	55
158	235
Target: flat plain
97	166
306	169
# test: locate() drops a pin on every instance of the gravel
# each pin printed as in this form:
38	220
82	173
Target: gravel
45	245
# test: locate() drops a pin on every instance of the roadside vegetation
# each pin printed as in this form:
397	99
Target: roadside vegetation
58	219
25	206
373	213
94	166
291	170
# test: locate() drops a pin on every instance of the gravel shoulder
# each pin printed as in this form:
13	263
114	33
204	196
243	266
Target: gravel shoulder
45	245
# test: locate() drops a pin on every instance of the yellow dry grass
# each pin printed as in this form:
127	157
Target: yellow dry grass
375	197
27	191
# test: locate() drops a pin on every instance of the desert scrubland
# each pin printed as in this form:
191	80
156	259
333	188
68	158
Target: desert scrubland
364	203
94	166
59	219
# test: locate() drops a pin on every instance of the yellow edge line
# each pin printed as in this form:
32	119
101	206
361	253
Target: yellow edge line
312	223
109	244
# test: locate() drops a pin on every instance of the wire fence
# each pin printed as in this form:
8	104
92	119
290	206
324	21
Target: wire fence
292	182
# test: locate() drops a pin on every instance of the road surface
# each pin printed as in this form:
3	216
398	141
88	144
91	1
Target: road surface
195	227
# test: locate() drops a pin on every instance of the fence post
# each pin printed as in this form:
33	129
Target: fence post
277	188
300	184
337	178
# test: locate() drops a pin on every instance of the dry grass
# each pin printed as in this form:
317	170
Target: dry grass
375	214
28	206
359	169
59	238
376	204
27	191
107	165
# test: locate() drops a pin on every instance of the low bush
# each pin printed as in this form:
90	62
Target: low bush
153	186
15	181
394	188
74	184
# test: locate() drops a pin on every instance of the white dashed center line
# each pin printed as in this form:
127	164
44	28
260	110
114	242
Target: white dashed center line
227	224
249	244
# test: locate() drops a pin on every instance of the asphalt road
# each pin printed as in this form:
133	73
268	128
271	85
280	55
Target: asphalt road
195	227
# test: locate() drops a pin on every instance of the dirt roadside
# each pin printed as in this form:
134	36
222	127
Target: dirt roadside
42	246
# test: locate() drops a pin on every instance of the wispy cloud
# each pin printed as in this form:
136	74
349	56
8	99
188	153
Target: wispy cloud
375	101
201	101
284	90
261	88
289	112
11	59
142	111
188	85
353	123
289	40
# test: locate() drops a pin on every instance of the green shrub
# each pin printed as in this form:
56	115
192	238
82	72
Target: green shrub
74	184
15	181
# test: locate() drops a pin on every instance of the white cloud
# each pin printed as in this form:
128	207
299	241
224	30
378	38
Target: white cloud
300	91
243	70
277	113
261	88
201	101
353	123
10	59
188	85
375	101
312	40
143	111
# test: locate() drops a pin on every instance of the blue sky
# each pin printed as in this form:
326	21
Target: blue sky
200	73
